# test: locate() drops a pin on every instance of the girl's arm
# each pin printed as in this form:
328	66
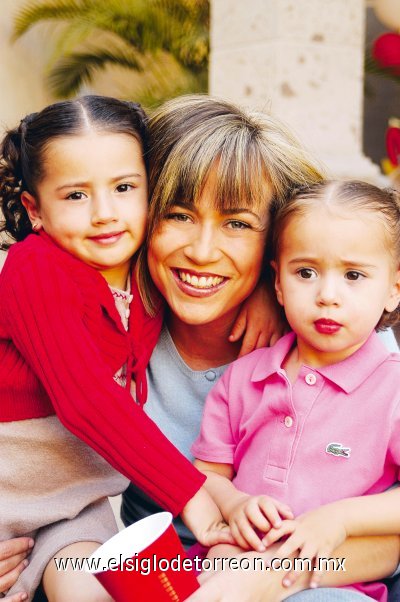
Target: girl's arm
244	513
260	321
42	312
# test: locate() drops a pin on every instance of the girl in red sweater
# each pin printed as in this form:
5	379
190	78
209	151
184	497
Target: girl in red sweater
73	335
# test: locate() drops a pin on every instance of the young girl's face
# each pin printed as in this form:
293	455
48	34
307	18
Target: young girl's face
92	200
335	275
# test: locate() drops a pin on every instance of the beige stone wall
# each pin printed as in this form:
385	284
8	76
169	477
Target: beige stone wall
22	66
303	61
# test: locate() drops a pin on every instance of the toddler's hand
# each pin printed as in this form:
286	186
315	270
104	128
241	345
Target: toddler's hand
202	516
314	536
256	513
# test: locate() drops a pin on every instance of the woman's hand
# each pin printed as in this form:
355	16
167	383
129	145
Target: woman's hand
312	536
259	321
237	585
13	560
256	513
202	516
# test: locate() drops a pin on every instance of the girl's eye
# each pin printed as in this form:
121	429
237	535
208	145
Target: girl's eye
307	273
124	187
76	196
237	225
353	275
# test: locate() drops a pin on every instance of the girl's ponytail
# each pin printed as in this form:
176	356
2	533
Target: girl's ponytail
15	219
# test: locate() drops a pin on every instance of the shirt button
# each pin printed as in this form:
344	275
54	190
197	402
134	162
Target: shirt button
210	375
288	421
311	379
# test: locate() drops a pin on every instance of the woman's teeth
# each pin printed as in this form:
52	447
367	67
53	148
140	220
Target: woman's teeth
202	282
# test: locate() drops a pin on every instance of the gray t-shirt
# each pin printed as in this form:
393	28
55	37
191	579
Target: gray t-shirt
175	403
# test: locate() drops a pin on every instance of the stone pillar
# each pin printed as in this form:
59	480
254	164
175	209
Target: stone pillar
301	60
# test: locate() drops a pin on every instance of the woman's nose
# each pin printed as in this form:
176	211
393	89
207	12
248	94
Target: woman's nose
203	247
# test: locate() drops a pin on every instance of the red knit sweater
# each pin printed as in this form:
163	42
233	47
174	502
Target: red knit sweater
61	342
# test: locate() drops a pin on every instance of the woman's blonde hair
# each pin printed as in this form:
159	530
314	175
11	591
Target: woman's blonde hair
255	157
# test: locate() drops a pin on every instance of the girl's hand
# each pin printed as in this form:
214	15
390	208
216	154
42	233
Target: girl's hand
13	555
314	536
253	513
202	516
259	320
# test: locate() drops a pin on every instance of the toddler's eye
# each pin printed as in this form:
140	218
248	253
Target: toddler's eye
353	275
76	196
307	273
124	187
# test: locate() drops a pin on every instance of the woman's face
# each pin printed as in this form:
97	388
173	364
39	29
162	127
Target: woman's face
206	263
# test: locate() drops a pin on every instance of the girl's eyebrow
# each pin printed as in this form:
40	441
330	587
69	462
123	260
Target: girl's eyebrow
344	262
84	184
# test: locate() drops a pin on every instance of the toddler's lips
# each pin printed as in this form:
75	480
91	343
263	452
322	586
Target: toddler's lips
324	326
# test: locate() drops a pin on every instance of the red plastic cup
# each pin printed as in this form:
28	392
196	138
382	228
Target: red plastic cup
146	561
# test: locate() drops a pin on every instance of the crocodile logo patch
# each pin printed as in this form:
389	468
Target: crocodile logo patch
337	449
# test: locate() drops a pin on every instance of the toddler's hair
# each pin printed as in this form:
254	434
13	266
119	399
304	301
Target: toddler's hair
354	195
256	159
23	149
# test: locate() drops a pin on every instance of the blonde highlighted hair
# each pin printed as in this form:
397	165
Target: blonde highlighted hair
255	157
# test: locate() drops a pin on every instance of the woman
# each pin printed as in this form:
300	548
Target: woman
213	172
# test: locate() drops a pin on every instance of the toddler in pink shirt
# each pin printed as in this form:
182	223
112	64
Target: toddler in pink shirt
301	439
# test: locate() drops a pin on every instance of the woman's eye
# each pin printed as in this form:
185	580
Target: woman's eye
353	275
178	217
76	196
124	187
307	273
238	225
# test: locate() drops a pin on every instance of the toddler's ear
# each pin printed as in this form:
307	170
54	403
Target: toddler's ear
278	289
394	296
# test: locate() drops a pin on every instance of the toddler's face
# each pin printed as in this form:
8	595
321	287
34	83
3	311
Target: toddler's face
93	200
334	277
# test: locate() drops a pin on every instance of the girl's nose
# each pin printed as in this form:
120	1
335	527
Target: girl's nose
203	247
103	209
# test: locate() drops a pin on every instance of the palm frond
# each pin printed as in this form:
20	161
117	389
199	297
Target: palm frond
79	68
372	67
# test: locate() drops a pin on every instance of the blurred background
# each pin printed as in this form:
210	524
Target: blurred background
329	68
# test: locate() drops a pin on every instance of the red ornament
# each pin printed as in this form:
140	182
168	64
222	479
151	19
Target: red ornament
386	51
393	144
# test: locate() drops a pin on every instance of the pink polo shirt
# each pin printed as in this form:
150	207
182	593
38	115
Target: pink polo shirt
334	433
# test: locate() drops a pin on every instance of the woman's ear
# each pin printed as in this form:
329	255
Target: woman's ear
32	209
278	289
394	295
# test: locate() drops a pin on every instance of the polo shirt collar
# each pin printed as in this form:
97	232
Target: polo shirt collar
348	374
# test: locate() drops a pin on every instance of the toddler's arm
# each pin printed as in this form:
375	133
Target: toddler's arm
245	513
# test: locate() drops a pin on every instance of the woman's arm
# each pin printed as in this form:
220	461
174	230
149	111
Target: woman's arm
367	559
